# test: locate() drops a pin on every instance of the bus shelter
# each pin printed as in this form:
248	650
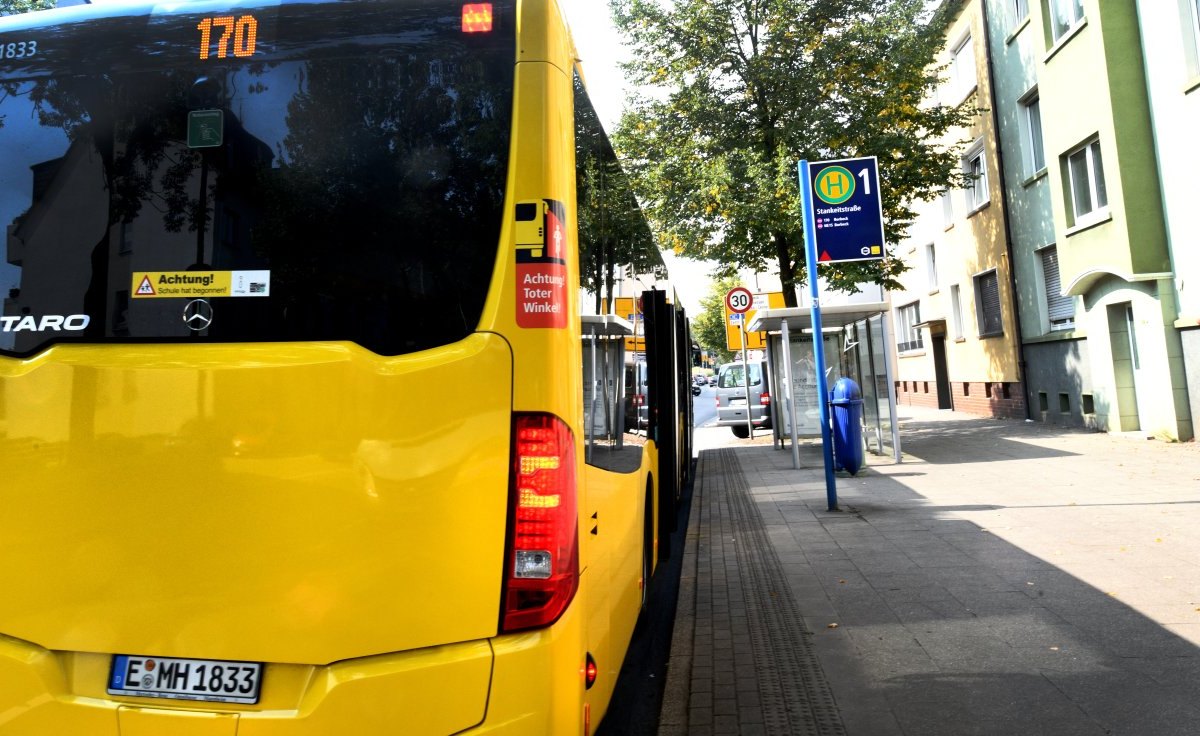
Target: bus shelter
857	345
608	379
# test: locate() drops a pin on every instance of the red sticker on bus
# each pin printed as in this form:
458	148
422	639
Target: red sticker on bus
541	268
541	295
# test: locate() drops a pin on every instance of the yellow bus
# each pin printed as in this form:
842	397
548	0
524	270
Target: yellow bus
295	341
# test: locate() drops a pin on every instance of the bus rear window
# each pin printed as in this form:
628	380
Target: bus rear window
346	184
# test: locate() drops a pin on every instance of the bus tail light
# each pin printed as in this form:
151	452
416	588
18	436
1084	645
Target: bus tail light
542	556
477	18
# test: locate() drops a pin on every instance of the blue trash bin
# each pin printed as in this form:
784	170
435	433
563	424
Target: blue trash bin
847	405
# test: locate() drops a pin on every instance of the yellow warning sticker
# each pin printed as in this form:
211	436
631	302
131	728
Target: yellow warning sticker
200	284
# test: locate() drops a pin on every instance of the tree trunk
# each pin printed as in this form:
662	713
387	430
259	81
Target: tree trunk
787	271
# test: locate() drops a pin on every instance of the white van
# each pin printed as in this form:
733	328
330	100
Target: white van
731	397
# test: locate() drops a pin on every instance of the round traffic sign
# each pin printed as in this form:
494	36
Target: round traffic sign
739	300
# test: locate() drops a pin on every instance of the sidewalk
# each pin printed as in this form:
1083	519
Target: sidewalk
1006	578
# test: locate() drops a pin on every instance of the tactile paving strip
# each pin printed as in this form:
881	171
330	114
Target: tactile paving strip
795	696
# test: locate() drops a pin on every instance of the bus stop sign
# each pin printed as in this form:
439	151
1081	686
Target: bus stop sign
847	210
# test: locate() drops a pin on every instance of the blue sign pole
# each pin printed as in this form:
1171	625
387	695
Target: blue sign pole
810	254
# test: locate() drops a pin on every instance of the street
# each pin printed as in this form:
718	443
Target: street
705	406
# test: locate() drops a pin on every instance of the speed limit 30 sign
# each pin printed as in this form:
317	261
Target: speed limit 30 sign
739	300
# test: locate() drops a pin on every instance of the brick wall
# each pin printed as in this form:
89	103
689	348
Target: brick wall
917	393
978	398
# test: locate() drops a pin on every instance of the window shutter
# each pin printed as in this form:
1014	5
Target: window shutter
1058	307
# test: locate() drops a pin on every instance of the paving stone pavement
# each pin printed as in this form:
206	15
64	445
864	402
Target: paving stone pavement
1005	578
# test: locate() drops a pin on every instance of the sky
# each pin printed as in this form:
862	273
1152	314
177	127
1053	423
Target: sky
601	49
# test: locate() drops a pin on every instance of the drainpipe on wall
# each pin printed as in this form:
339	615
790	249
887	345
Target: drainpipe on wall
1008	241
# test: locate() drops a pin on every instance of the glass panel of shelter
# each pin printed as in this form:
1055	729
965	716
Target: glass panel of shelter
611	408
859	352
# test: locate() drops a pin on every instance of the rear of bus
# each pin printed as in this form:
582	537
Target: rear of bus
289	399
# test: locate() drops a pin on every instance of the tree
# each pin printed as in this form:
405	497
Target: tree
16	7
613	232
708	328
734	93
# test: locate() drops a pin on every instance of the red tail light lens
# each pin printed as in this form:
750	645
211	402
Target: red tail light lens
477	18
590	671
766	399
639	399
542	559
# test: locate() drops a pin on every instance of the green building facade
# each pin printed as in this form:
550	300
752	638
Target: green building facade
1096	286
1170	33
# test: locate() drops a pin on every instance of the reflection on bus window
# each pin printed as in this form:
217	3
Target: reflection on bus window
735	376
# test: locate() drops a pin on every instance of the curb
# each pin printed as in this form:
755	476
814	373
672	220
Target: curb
673	719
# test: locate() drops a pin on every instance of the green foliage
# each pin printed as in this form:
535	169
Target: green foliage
708	327
734	93
16	7
613	232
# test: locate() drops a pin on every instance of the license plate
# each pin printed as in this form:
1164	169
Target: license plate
737	401
185	679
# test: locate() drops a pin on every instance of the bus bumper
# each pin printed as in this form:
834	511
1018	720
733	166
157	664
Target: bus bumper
527	683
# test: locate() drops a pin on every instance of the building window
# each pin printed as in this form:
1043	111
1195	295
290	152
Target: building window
1196	22
1085	173
956	314
1060	309
1190	25
947	210
987	304
1065	15
975	169
1020	9
1034	151
962	71
908	335
931	267
126	246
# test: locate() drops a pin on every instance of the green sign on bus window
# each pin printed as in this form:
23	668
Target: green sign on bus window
206	128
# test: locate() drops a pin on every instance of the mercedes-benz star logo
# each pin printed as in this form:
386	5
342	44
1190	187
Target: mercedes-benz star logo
197	315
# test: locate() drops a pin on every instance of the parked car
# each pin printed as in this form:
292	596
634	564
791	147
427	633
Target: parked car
731	397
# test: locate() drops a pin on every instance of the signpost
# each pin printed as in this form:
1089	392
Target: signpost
734	321
629	309
844	223
848	214
739	300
